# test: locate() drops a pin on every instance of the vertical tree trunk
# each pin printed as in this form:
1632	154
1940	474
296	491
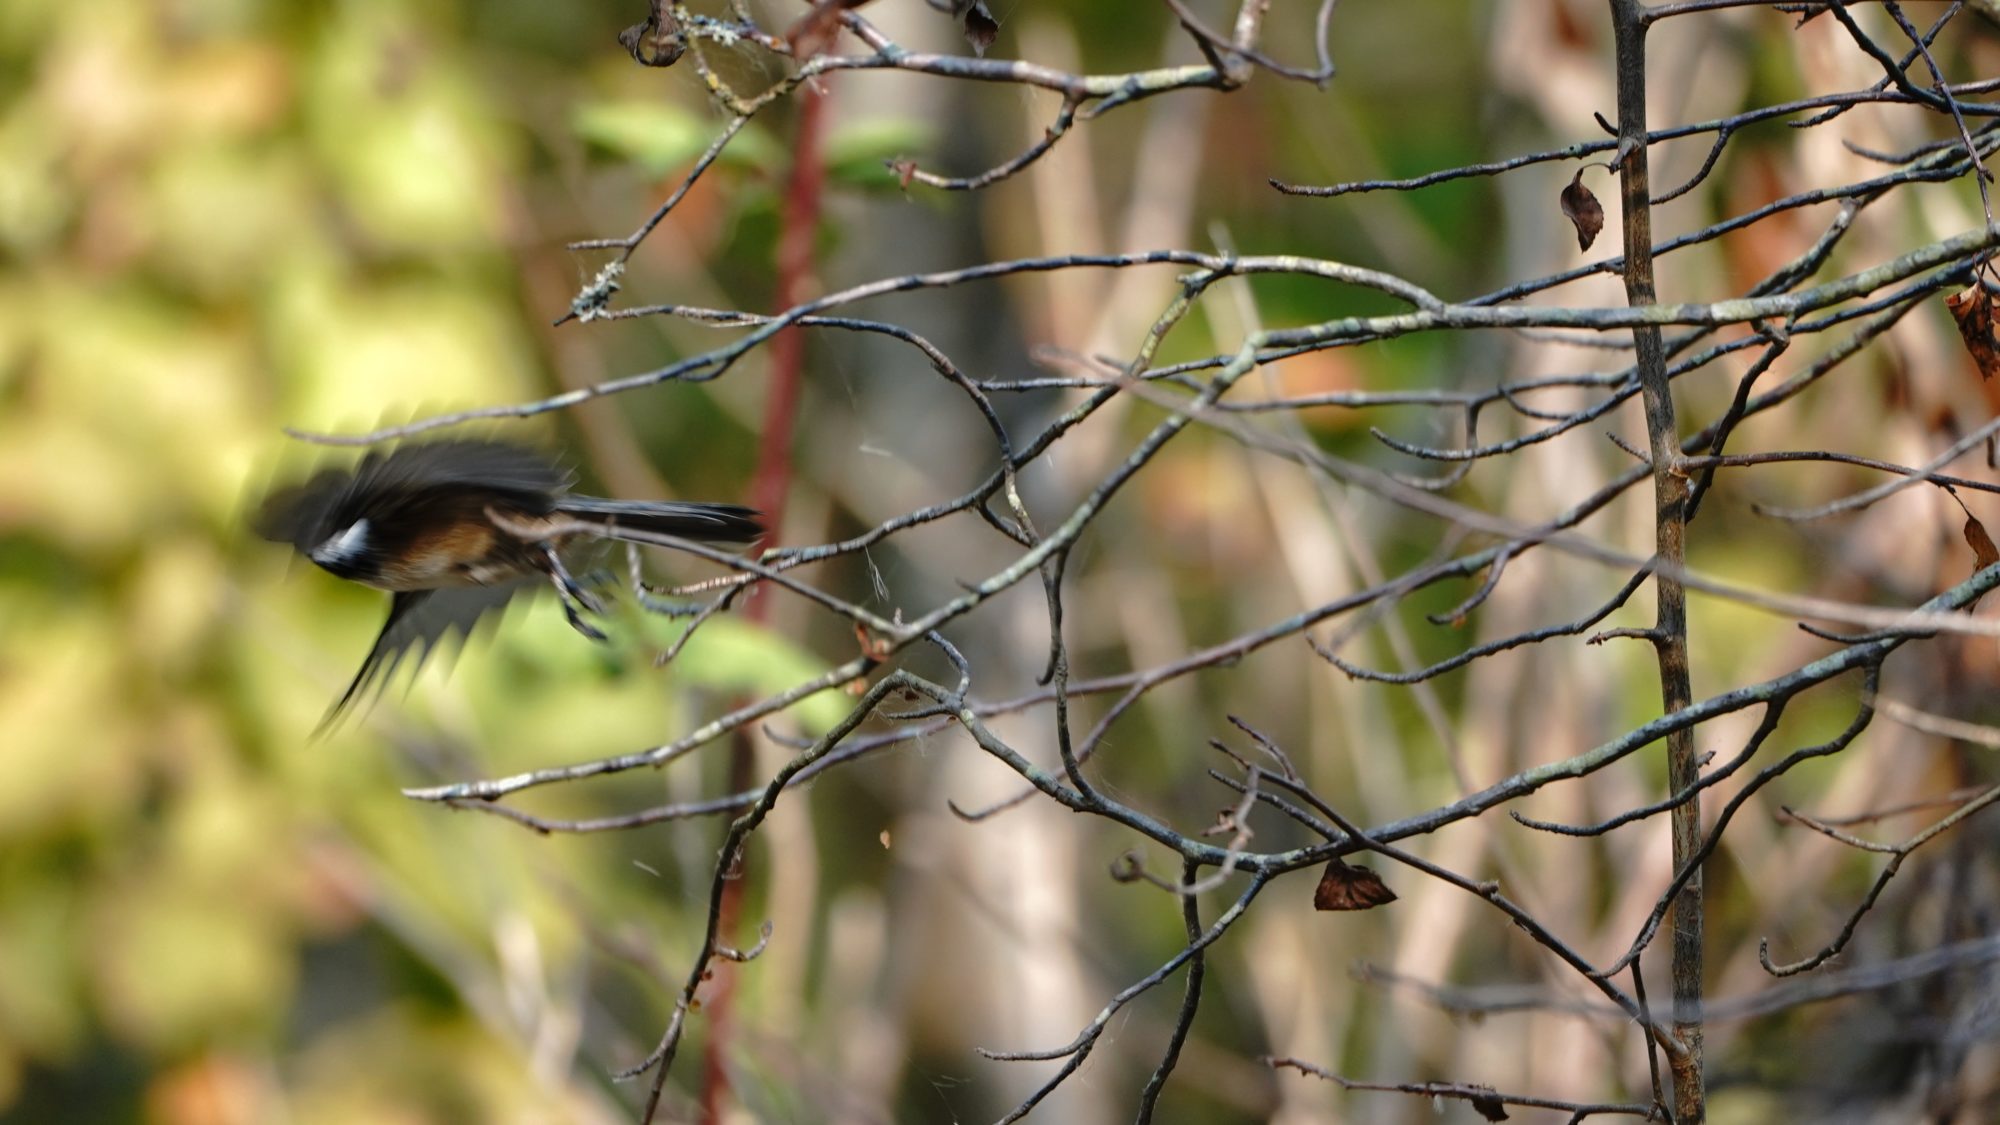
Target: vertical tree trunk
1670	496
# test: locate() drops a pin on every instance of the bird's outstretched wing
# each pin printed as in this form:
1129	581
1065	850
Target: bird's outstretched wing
305	514
418	620
498	465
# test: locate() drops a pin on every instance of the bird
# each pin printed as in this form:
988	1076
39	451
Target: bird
455	528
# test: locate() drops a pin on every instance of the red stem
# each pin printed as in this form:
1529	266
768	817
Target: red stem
797	234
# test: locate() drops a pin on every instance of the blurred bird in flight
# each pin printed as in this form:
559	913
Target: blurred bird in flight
455	528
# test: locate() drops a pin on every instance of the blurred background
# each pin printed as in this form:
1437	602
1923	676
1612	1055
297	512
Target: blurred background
223	217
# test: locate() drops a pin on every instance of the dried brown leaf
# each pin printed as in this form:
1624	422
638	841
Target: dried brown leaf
1984	552
1980	542
977	21
1581	207
657	42
1972	308
1343	886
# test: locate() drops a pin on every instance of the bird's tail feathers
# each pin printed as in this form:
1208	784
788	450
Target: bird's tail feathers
717	523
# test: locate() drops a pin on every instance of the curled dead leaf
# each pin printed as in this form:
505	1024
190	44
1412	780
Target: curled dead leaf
980	28
1980	542
1984	552
657	42
1583	210
1488	1104
1343	886
1972	308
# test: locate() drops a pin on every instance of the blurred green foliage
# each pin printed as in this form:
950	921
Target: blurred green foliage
219	218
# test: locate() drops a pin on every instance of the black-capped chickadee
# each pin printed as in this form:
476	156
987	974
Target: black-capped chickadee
455	528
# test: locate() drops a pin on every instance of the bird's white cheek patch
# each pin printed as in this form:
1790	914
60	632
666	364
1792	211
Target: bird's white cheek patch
348	544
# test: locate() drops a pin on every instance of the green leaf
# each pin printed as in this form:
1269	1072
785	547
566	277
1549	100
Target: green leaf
743	658
661	137
857	155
